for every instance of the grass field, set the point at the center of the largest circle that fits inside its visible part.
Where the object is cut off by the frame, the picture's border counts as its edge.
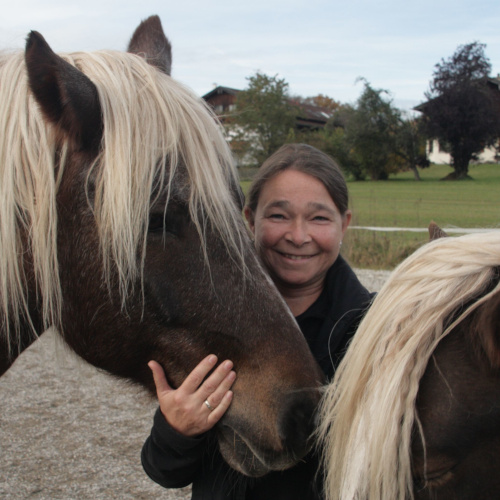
(403, 202)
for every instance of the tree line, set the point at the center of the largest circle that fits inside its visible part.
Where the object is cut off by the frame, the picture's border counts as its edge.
(372, 138)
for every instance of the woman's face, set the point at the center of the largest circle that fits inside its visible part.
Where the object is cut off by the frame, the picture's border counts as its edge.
(298, 229)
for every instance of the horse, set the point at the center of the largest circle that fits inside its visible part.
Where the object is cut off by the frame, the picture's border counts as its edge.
(121, 226)
(414, 408)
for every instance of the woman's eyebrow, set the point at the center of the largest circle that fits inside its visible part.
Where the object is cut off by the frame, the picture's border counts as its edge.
(320, 206)
(278, 204)
(312, 205)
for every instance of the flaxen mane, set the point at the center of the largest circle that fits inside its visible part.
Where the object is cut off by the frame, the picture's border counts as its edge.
(368, 411)
(151, 125)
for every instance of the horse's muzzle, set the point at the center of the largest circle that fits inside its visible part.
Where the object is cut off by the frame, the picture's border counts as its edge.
(261, 444)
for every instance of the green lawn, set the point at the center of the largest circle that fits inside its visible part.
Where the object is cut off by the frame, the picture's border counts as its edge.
(403, 202)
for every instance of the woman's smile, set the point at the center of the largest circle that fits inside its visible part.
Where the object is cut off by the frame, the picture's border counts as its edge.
(296, 257)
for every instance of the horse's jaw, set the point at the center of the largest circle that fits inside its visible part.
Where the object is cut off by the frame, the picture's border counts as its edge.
(255, 450)
(245, 458)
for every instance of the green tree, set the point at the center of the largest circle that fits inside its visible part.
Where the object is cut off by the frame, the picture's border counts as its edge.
(370, 139)
(461, 112)
(370, 131)
(410, 145)
(264, 117)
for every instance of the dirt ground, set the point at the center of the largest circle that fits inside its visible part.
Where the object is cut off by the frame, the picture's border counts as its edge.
(68, 431)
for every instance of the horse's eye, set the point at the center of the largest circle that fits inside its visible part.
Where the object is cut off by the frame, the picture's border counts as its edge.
(156, 222)
(171, 223)
(433, 480)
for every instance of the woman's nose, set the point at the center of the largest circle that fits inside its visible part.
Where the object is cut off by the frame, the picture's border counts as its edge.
(298, 233)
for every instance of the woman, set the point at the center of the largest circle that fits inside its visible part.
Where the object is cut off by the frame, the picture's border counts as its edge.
(298, 212)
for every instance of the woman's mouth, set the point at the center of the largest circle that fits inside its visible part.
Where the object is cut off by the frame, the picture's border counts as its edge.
(295, 257)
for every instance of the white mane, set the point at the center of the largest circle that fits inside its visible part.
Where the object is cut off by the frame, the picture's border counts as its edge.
(368, 411)
(152, 124)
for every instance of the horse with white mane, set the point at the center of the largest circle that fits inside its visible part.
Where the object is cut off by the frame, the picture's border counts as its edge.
(414, 408)
(121, 225)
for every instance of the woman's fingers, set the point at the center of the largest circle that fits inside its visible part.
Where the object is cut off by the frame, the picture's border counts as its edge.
(213, 386)
(195, 378)
(161, 383)
(221, 408)
(212, 383)
(201, 400)
(217, 385)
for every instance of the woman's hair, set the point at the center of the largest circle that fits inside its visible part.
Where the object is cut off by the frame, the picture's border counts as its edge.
(306, 159)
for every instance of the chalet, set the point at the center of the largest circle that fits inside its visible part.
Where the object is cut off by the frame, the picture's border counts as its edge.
(437, 154)
(223, 101)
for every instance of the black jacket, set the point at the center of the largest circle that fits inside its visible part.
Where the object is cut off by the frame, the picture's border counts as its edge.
(175, 461)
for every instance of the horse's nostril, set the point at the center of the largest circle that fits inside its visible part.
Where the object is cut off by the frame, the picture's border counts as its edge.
(297, 423)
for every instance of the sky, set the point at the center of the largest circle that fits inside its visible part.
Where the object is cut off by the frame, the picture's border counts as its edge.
(316, 46)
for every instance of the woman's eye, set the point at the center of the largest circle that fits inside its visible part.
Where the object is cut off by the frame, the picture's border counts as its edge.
(320, 218)
(276, 216)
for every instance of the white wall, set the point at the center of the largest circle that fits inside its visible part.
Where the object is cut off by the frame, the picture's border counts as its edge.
(441, 157)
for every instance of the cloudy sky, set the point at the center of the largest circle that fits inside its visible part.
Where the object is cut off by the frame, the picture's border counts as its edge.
(317, 46)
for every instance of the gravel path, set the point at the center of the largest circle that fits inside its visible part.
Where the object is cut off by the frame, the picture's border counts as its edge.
(68, 431)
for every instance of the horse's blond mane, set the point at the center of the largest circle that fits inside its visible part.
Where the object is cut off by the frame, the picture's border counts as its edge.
(152, 124)
(368, 411)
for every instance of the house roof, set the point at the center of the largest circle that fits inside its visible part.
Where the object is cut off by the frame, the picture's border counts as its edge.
(310, 115)
(313, 113)
(220, 90)
(493, 83)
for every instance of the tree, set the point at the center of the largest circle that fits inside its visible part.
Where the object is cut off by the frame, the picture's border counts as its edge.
(264, 117)
(370, 130)
(410, 145)
(370, 139)
(461, 111)
(320, 100)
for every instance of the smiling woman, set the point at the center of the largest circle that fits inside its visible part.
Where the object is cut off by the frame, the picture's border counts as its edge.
(298, 231)
(298, 211)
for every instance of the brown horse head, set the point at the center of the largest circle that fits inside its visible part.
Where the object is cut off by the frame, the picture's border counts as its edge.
(458, 408)
(414, 408)
(122, 227)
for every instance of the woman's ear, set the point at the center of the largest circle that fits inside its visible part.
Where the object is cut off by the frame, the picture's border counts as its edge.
(250, 218)
(346, 220)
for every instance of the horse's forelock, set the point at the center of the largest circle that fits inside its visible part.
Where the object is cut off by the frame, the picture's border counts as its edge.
(368, 412)
(152, 124)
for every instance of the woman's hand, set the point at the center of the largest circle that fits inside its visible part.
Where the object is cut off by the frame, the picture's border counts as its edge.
(186, 408)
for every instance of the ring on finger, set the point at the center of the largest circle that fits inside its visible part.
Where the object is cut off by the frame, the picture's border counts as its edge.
(208, 405)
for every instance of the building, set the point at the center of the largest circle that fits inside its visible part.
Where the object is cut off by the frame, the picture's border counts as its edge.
(223, 102)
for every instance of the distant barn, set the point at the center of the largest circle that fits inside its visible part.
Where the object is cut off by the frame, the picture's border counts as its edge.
(223, 101)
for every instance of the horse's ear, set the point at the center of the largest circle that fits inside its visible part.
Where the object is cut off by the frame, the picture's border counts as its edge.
(68, 99)
(149, 41)
(487, 325)
(435, 232)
